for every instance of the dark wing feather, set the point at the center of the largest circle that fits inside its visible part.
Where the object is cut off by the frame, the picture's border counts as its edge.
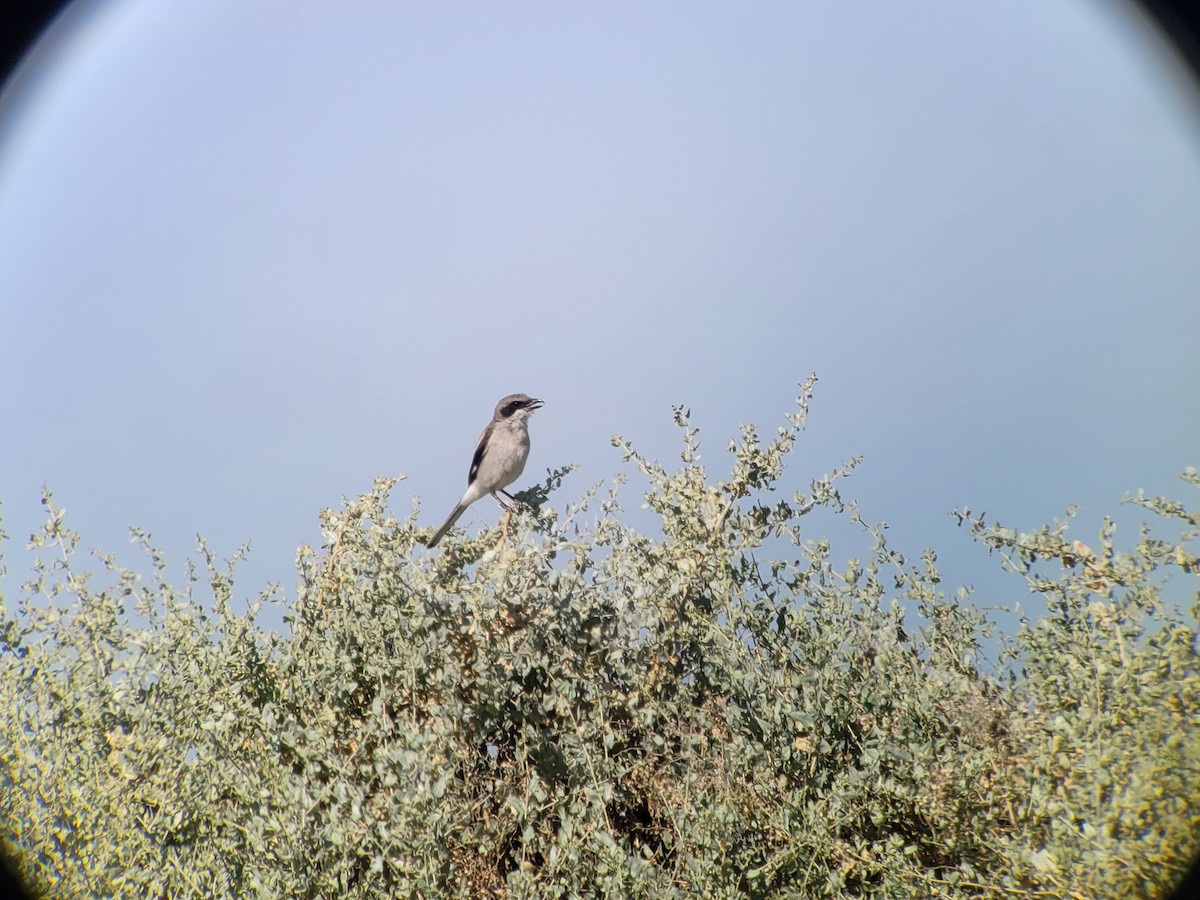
(478, 457)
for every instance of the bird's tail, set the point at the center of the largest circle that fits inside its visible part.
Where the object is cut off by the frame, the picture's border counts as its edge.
(441, 532)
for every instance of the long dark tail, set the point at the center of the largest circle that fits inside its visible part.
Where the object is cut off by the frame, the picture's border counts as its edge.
(441, 532)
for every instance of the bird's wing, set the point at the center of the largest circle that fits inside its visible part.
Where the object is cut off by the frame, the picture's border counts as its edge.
(478, 457)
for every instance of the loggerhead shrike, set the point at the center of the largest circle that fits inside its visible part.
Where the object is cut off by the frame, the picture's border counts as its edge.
(500, 457)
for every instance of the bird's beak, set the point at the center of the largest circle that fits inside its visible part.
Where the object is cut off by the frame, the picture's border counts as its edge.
(536, 404)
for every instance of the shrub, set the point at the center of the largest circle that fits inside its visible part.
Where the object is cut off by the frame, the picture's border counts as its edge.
(582, 709)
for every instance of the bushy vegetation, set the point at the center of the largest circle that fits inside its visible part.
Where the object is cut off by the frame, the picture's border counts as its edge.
(583, 710)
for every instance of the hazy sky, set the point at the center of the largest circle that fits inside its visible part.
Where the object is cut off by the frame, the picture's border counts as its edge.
(254, 254)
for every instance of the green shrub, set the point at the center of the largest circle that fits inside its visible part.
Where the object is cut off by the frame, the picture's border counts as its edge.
(582, 709)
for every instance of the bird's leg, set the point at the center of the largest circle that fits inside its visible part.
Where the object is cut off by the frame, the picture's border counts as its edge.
(507, 506)
(512, 503)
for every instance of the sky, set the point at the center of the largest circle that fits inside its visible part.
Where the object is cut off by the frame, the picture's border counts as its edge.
(254, 254)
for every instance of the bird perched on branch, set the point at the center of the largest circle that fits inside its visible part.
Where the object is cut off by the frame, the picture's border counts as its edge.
(499, 459)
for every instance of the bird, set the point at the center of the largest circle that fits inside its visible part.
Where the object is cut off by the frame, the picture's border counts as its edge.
(499, 458)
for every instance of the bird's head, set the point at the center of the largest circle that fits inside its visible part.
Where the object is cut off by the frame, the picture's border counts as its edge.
(514, 404)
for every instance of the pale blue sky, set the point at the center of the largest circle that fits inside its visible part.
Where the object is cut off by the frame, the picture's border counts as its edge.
(253, 254)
